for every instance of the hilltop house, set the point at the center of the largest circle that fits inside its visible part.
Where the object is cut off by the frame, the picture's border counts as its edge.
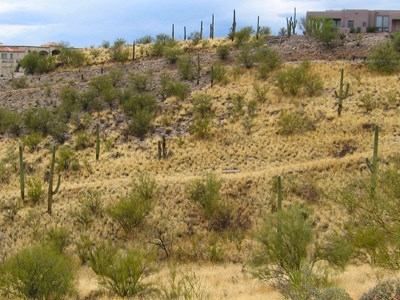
(348, 19)
(12, 55)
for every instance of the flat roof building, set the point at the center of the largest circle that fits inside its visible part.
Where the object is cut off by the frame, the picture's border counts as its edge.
(361, 19)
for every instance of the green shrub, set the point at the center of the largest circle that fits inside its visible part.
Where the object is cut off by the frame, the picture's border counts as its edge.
(388, 290)
(69, 99)
(147, 39)
(10, 122)
(219, 74)
(88, 100)
(38, 120)
(143, 102)
(66, 158)
(261, 92)
(32, 140)
(122, 272)
(139, 82)
(178, 89)
(395, 41)
(33, 63)
(383, 59)
(143, 186)
(326, 32)
(368, 102)
(37, 272)
(333, 293)
(115, 76)
(246, 57)
(129, 213)
(206, 191)
(84, 247)
(172, 53)
(158, 48)
(223, 51)
(20, 83)
(71, 57)
(237, 103)
(186, 67)
(141, 123)
(195, 37)
(294, 123)
(269, 59)
(243, 35)
(288, 254)
(119, 51)
(295, 80)
(58, 239)
(91, 200)
(83, 140)
(35, 190)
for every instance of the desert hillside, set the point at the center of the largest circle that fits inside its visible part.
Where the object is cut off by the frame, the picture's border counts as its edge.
(173, 124)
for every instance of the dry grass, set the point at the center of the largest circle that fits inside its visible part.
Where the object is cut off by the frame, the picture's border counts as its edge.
(319, 154)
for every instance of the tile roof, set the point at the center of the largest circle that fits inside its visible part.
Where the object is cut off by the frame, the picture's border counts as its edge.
(11, 49)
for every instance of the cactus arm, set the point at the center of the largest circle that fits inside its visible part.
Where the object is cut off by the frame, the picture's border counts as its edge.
(369, 165)
(336, 95)
(58, 185)
(21, 173)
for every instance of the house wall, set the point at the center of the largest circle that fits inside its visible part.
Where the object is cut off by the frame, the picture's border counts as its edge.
(362, 18)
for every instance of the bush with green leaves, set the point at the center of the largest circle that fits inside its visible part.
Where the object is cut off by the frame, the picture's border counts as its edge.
(20, 83)
(71, 57)
(122, 272)
(34, 63)
(268, 60)
(147, 39)
(10, 122)
(32, 140)
(66, 159)
(289, 251)
(294, 122)
(223, 51)
(83, 140)
(243, 35)
(195, 37)
(383, 59)
(69, 99)
(202, 116)
(139, 82)
(38, 120)
(386, 290)
(219, 74)
(119, 51)
(58, 238)
(115, 75)
(130, 212)
(172, 53)
(372, 224)
(206, 191)
(186, 67)
(37, 272)
(261, 92)
(301, 79)
(175, 88)
(35, 190)
(325, 31)
(246, 56)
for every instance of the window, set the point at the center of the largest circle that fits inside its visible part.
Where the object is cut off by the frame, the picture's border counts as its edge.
(336, 22)
(4, 56)
(11, 56)
(382, 23)
(350, 24)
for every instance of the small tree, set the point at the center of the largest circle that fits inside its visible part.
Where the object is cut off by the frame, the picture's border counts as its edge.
(37, 272)
(326, 32)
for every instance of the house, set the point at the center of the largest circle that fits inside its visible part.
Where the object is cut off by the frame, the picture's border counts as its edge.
(353, 19)
(10, 56)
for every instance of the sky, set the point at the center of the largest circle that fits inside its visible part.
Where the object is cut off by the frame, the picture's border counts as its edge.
(84, 23)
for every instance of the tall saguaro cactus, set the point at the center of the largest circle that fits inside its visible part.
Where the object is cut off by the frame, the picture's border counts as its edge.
(343, 93)
(184, 33)
(291, 24)
(212, 27)
(21, 173)
(198, 68)
(201, 30)
(373, 166)
(173, 31)
(52, 192)
(97, 141)
(258, 27)
(233, 29)
(133, 52)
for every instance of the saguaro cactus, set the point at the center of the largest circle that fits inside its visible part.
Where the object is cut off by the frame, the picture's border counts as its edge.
(291, 24)
(133, 52)
(258, 27)
(21, 173)
(212, 76)
(233, 29)
(52, 192)
(198, 68)
(173, 31)
(184, 33)
(373, 166)
(201, 30)
(212, 28)
(97, 141)
(343, 94)
(164, 147)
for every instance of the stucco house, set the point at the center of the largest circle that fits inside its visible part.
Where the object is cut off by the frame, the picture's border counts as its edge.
(10, 56)
(348, 19)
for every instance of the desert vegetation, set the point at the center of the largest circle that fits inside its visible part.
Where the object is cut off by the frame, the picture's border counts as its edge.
(201, 169)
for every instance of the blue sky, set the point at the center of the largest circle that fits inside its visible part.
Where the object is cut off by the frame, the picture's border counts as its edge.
(88, 22)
